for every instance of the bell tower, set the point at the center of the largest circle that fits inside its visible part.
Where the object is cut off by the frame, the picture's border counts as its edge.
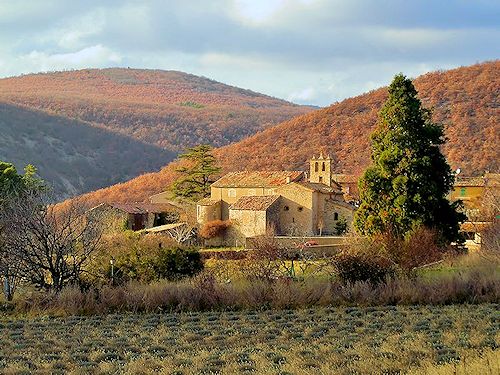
(321, 169)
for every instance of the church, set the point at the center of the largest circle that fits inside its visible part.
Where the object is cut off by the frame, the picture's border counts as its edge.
(288, 203)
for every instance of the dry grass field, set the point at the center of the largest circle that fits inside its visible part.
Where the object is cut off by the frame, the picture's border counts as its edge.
(456, 339)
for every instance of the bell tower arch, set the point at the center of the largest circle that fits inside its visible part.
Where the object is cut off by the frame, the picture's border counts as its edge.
(320, 170)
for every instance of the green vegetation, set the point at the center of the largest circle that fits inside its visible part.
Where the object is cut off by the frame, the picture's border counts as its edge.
(196, 174)
(408, 182)
(191, 104)
(13, 186)
(129, 256)
(349, 340)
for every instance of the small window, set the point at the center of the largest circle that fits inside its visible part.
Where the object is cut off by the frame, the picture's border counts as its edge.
(320, 179)
(300, 209)
(231, 193)
(336, 216)
(316, 167)
(463, 191)
(323, 168)
(286, 208)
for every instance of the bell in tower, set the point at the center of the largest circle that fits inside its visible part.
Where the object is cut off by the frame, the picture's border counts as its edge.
(321, 169)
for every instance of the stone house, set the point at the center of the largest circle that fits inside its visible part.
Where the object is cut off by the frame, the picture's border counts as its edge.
(135, 216)
(286, 201)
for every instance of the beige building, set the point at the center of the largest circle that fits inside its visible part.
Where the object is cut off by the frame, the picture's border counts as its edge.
(286, 202)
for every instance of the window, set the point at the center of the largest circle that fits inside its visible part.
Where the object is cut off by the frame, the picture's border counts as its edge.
(320, 179)
(231, 193)
(286, 208)
(323, 167)
(463, 191)
(300, 209)
(316, 167)
(336, 216)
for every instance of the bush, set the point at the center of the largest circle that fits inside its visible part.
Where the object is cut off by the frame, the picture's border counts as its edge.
(176, 263)
(215, 228)
(352, 268)
(143, 258)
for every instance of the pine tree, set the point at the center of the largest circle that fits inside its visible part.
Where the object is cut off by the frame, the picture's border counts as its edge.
(409, 179)
(197, 173)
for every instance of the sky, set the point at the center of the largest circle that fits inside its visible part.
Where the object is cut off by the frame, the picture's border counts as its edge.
(306, 51)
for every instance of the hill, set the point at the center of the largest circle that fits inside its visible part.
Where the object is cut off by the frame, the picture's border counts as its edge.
(465, 100)
(165, 110)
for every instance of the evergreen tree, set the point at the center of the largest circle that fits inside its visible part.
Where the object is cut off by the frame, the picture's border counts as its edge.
(13, 186)
(409, 179)
(196, 174)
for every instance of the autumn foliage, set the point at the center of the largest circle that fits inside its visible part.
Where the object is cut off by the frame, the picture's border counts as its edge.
(214, 228)
(462, 99)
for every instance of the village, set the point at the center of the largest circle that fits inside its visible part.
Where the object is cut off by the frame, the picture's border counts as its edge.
(314, 207)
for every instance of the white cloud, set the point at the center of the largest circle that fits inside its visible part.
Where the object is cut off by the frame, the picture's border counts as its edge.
(94, 56)
(310, 51)
(303, 96)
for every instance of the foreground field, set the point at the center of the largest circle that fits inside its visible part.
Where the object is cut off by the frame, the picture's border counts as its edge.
(460, 339)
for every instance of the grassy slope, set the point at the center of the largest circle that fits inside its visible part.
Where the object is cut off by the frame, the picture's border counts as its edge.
(465, 100)
(166, 110)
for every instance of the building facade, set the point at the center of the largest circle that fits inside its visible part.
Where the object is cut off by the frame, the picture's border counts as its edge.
(284, 202)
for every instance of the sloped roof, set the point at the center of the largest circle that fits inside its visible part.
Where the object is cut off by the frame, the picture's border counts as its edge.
(322, 188)
(254, 203)
(142, 208)
(207, 202)
(257, 178)
(469, 181)
(344, 178)
(163, 228)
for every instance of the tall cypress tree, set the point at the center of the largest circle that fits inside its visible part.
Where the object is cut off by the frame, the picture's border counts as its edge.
(409, 179)
(197, 173)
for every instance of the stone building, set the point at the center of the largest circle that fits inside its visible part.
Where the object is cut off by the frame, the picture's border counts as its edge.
(286, 202)
(135, 216)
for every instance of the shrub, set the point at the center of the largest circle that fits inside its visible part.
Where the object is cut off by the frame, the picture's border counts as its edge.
(362, 267)
(176, 263)
(341, 226)
(143, 258)
(215, 228)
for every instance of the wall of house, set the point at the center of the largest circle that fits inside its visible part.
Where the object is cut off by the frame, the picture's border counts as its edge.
(249, 223)
(331, 207)
(228, 196)
(296, 208)
(112, 219)
(208, 213)
(470, 195)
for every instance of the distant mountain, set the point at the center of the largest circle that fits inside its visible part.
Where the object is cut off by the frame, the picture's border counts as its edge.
(465, 100)
(91, 128)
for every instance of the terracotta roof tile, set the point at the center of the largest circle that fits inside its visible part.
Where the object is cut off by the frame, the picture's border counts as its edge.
(344, 178)
(254, 203)
(322, 188)
(142, 208)
(257, 178)
(207, 202)
(469, 181)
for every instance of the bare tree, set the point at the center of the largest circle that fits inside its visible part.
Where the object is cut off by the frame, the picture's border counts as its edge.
(182, 233)
(48, 246)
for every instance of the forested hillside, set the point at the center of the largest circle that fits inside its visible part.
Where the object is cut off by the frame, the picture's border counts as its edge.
(166, 110)
(465, 100)
(72, 155)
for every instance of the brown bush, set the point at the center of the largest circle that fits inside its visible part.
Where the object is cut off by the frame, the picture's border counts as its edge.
(205, 293)
(352, 268)
(215, 228)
